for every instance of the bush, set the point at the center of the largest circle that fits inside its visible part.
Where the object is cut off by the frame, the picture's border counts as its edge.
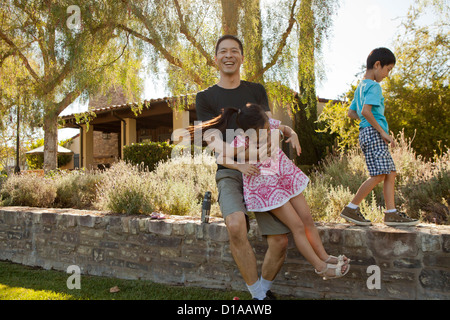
(76, 189)
(28, 190)
(125, 189)
(147, 154)
(422, 188)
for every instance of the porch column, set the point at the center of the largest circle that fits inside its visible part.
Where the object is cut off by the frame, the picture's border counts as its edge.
(180, 119)
(87, 153)
(130, 136)
(127, 133)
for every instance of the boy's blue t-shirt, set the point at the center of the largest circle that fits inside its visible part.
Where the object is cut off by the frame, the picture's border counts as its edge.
(369, 92)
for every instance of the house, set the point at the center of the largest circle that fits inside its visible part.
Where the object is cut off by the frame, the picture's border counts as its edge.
(114, 125)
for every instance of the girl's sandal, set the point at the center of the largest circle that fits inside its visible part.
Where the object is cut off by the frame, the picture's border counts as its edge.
(337, 270)
(342, 258)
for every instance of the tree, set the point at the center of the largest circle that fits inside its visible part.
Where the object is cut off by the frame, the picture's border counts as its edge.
(417, 93)
(76, 52)
(183, 34)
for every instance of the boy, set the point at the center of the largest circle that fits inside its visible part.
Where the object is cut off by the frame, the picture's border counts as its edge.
(368, 106)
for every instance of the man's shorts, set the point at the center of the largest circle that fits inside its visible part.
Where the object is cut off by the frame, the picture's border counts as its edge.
(376, 151)
(231, 199)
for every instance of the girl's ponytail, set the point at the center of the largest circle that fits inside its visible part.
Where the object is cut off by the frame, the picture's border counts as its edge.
(220, 122)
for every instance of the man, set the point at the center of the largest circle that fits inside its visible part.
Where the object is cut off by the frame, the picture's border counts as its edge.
(231, 91)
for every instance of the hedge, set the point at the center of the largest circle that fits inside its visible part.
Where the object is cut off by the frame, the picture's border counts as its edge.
(148, 153)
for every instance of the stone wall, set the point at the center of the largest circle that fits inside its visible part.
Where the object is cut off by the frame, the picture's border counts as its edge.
(413, 262)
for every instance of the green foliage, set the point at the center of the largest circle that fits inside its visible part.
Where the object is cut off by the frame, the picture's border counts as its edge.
(76, 189)
(417, 93)
(421, 189)
(28, 190)
(147, 154)
(125, 189)
(334, 120)
(36, 161)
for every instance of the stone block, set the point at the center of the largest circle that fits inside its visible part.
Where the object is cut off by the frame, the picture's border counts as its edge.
(217, 232)
(392, 244)
(160, 227)
(86, 221)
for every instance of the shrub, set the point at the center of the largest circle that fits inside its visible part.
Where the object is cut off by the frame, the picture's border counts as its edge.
(76, 189)
(422, 188)
(147, 154)
(124, 189)
(181, 182)
(28, 190)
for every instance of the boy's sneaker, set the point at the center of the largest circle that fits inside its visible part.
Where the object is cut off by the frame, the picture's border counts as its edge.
(398, 218)
(355, 216)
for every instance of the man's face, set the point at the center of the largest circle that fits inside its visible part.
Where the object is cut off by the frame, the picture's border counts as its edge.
(229, 57)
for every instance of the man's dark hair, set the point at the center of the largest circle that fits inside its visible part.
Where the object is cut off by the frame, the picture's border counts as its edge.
(229, 36)
(384, 55)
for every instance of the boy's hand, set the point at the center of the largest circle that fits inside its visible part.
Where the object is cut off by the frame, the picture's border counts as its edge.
(388, 139)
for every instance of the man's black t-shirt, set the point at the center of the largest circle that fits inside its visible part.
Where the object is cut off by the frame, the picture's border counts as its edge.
(211, 101)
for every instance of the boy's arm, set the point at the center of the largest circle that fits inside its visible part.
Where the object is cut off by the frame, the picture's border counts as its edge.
(352, 114)
(368, 115)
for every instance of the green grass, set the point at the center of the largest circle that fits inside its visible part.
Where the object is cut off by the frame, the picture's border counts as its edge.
(19, 282)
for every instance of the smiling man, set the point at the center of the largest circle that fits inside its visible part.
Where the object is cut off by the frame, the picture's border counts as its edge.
(232, 92)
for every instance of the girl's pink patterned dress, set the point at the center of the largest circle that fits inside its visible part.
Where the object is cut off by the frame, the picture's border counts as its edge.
(277, 182)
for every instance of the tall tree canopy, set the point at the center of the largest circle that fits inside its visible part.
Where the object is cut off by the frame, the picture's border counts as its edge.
(65, 59)
(69, 49)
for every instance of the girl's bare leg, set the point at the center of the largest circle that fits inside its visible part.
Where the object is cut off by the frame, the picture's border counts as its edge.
(291, 219)
(302, 209)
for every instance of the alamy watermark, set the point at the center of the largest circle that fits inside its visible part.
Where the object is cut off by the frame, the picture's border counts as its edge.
(74, 281)
(250, 146)
(74, 20)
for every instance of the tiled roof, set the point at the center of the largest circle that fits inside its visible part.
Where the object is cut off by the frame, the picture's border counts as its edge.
(127, 105)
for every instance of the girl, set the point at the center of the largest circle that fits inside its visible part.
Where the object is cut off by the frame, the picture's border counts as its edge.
(274, 184)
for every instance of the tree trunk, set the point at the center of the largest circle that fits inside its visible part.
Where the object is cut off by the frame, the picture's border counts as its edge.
(252, 36)
(306, 115)
(230, 16)
(50, 141)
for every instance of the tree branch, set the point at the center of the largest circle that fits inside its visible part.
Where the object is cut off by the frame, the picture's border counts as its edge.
(281, 45)
(184, 30)
(156, 44)
(166, 54)
(22, 57)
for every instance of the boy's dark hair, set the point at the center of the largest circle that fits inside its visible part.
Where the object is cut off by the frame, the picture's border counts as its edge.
(229, 36)
(384, 55)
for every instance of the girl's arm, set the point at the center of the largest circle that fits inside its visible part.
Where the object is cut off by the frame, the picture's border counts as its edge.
(290, 134)
(230, 163)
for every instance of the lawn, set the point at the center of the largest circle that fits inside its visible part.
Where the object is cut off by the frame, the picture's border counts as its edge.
(19, 282)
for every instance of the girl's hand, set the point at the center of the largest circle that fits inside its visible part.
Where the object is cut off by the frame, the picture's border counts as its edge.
(248, 169)
(293, 139)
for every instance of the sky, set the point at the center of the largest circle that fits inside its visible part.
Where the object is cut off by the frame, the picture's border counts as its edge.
(359, 27)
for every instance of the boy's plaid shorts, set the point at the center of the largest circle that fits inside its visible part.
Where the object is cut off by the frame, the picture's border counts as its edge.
(376, 151)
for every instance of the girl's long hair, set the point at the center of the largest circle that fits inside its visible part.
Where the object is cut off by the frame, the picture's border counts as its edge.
(252, 116)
